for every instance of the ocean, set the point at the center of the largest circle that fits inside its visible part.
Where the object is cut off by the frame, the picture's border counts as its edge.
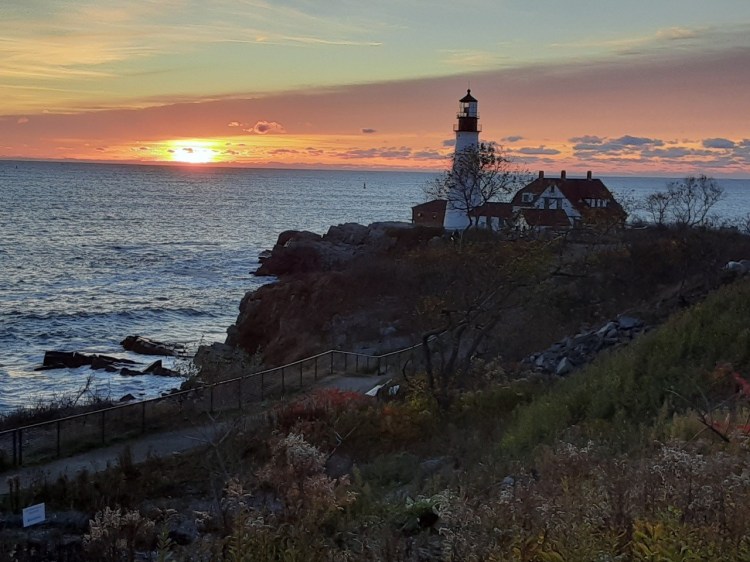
(92, 253)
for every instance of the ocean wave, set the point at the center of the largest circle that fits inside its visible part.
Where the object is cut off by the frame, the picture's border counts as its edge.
(83, 315)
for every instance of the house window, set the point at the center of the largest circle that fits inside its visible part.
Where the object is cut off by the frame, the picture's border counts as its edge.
(527, 197)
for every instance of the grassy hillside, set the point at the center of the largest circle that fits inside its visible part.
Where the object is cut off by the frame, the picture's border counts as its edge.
(679, 366)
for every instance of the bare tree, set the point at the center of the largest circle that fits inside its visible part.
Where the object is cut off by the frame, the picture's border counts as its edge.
(477, 175)
(486, 280)
(686, 202)
(657, 206)
(692, 198)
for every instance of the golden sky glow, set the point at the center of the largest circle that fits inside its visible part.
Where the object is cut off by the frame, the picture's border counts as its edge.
(639, 87)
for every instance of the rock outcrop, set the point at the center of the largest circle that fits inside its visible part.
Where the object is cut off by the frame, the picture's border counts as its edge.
(145, 346)
(336, 290)
(563, 357)
(75, 359)
(297, 252)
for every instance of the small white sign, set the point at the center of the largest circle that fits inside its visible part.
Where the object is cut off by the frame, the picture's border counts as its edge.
(33, 514)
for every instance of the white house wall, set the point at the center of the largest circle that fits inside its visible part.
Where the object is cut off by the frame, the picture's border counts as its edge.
(562, 202)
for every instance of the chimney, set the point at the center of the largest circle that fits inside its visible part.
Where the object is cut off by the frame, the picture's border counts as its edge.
(588, 175)
(541, 174)
(562, 175)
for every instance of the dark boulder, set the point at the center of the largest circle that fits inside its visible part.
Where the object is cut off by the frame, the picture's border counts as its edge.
(74, 359)
(157, 369)
(145, 346)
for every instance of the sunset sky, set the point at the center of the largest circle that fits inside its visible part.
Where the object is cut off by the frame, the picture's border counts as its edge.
(657, 87)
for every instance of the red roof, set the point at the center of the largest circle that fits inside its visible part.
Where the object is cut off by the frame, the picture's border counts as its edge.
(494, 209)
(547, 218)
(577, 191)
(434, 206)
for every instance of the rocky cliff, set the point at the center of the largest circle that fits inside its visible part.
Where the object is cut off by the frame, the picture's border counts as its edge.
(338, 290)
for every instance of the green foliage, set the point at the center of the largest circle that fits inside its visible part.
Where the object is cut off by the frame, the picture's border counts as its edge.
(627, 389)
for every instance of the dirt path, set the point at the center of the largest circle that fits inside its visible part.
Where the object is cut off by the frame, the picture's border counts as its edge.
(160, 445)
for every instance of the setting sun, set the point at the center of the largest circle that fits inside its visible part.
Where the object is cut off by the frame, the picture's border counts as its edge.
(199, 152)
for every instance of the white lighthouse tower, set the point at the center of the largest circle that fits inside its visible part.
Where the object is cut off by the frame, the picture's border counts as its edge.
(467, 138)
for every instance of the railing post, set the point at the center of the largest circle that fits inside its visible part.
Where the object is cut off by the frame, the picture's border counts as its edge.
(283, 383)
(356, 364)
(104, 438)
(331, 352)
(300, 375)
(20, 447)
(58, 438)
(315, 375)
(143, 417)
(346, 357)
(239, 394)
(262, 380)
(379, 358)
(15, 448)
(211, 406)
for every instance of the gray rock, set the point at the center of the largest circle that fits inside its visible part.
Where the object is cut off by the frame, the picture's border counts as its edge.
(628, 322)
(564, 367)
(607, 329)
(508, 482)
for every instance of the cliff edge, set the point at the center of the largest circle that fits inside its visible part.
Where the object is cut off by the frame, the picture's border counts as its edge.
(339, 290)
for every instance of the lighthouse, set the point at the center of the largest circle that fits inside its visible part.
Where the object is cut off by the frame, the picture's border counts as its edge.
(467, 129)
(467, 138)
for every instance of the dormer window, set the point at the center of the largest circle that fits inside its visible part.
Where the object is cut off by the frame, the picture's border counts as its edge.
(527, 197)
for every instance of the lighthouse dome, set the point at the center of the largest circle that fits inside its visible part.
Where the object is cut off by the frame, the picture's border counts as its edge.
(468, 98)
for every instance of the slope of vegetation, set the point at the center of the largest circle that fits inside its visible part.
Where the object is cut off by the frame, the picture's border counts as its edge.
(640, 456)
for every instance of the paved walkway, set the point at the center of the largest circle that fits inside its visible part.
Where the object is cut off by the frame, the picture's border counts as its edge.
(95, 460)
(160, 445)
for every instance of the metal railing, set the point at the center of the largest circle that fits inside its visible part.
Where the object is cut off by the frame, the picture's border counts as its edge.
(47, 440)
